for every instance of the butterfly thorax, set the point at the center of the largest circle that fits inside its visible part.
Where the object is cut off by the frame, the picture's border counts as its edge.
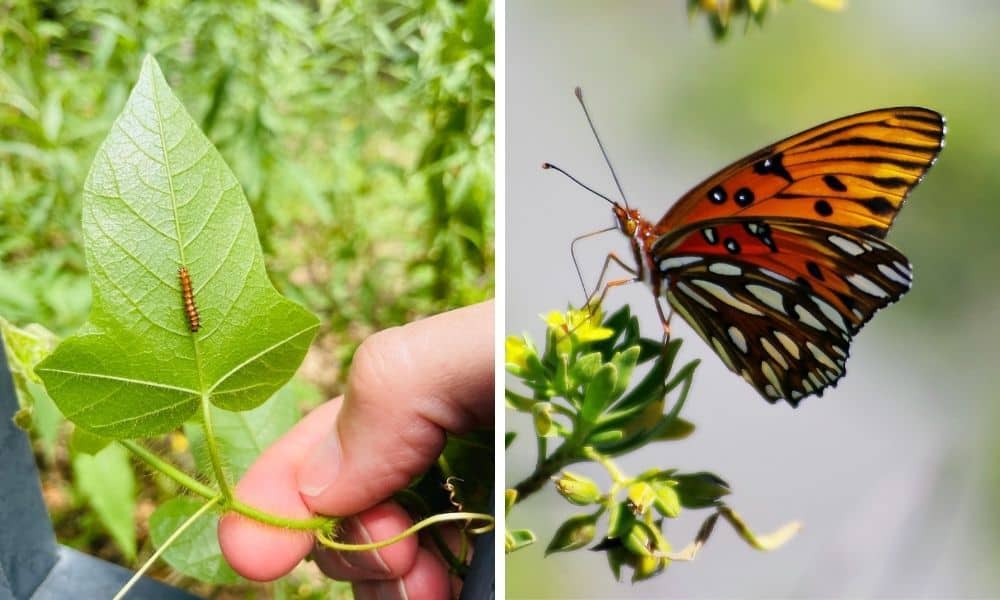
(642, 235)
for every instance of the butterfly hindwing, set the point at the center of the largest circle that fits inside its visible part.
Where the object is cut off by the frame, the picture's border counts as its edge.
(779, 300)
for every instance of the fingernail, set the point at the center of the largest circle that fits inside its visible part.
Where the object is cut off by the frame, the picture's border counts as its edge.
(320, 469)
(390, 589)
(368, 561)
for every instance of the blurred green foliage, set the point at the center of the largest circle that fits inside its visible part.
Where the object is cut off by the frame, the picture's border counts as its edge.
(362, 133)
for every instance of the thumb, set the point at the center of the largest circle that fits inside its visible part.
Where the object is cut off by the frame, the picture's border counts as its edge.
(408, 386)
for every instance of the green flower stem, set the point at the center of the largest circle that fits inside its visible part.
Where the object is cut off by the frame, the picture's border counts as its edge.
(158, 464)
(213, 451)
(616, 475)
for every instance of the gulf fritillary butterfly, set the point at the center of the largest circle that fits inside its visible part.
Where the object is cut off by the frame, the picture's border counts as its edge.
(187, 293)
(778, 260)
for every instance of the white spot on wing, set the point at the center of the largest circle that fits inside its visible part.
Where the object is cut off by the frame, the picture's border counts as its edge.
(893, 275)
(687, 291)
(675, 262)
(765, 368)
(737, 337)
(721, 268)
(775, 276)
(808, 318)
(788, 343)
(846, 245)
(721, 351)
(866, 285)
(775, 354)
(830, 312)
(770, 391)
(821, 356)
(767, 296)
(723, 295)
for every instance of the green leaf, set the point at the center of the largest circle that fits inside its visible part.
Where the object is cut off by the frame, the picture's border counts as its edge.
(667, 502)
(243, 436)
(597, 396)
(677, 429)
(625, 362)
(585, 367)
(107, 483)
(24, 348)
(517, 539)
(196, 553)
(159, 197)
(575, 532)
(699, 490)
(84, 442)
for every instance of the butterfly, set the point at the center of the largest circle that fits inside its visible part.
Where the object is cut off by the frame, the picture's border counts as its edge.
(779, 259)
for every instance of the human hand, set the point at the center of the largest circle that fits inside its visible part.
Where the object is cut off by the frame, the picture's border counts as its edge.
(407, 387)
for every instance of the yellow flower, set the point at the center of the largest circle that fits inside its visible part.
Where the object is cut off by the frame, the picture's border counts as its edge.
(516, 352)
(582, 325)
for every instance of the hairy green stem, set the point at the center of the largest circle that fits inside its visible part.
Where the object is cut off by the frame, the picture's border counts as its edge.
(213, 451)
(158, 464)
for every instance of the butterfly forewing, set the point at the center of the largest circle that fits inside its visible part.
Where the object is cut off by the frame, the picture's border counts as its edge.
(779, 300)
(853, 172)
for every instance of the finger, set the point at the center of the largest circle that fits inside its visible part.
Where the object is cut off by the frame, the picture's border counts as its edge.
(378, 523)
(270, 485)
(427, 580)
(407, 387)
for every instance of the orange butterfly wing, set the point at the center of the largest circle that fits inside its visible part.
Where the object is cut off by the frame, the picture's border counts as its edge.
(777, 260)
(854, 172)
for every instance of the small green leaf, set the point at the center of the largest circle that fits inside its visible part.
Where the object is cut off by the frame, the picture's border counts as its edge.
(640, 539)
(508, 438)
(517, 539)
(620, 520)
(576, 532)
(677, 429)
(196, 553)
(107, 483)
(625, 362)
(597, 395)
(159, 197)
(667, 502)
(699, 490)
(509, 499)
(585, 367)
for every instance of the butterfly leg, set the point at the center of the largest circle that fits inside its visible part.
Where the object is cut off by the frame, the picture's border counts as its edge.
(612, 258)
(664, 320)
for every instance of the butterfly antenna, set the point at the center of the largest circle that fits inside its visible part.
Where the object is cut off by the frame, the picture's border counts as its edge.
(600, 144)
(548, 165)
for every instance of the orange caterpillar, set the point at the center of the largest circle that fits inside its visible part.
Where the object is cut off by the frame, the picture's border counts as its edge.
(194, 320)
